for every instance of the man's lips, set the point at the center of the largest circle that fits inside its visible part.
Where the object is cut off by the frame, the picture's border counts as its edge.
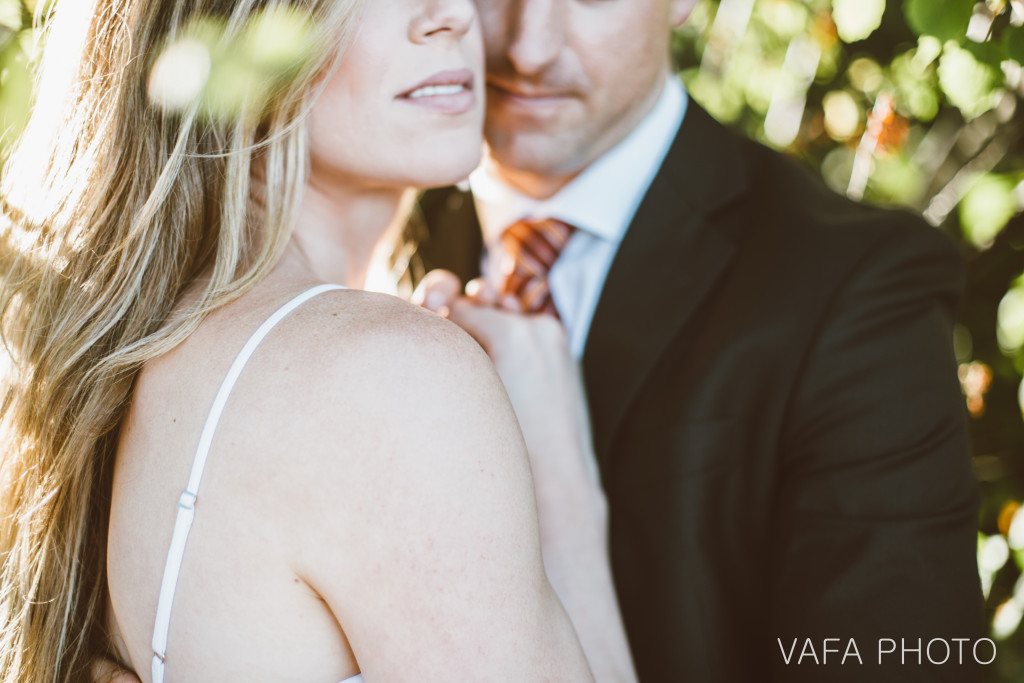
(528, 95)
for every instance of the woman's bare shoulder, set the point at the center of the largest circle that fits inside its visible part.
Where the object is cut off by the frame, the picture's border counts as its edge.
(414, 481)
(385, 351)
(380, 323)
(338, 377)
(373, 374)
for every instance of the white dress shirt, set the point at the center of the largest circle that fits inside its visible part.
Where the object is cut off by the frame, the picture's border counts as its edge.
(600, 202)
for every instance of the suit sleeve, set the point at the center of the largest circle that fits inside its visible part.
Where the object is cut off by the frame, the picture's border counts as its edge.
(876, 514)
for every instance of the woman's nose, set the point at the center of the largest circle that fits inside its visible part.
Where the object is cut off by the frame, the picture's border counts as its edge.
(442, 17)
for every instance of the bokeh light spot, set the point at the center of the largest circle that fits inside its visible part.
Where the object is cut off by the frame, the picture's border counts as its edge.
(179, 74)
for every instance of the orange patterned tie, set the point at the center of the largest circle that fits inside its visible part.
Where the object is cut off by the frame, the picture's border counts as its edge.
(531, 248)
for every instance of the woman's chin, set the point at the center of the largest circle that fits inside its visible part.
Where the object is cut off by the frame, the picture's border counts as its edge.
(446, 168)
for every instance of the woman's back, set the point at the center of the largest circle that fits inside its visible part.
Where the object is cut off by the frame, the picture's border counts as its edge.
(241, 610)
(353, 479)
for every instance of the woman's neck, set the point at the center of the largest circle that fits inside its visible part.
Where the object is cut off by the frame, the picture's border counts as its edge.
(339, 228)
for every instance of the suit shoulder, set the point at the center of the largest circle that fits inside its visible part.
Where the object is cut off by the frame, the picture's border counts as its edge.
(786, 201)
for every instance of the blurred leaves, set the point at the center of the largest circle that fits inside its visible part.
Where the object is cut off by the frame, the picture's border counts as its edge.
(1014, 43)
(277, 40)
(915, 77)
(857, 19)
(970, 85)
(1010, 322)
(987, 207)
(17, 47)
(15, 92)
(11, 17)
(231, 74)
(944, 19)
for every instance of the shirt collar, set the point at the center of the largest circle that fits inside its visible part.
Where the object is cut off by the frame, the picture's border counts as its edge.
(603, 198)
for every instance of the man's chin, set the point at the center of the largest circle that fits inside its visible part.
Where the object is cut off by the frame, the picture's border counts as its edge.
(537, 163)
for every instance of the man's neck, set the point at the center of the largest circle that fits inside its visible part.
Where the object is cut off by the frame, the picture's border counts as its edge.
(534, 185)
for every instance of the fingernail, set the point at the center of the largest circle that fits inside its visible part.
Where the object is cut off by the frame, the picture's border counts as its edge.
(434, 301)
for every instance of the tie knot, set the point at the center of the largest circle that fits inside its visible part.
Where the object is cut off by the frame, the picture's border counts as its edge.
(531, 248)
(543, 240)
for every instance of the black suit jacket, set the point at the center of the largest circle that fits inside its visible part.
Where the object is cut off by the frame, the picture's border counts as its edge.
(778, 423)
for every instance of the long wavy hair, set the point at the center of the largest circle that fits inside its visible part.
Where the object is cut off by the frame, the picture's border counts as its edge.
(111, 208)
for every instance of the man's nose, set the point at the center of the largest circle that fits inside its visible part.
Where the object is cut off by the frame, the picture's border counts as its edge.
(442, 17)
(535, 34)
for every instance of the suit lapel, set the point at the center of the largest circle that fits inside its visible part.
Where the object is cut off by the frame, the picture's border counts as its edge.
(668, 261)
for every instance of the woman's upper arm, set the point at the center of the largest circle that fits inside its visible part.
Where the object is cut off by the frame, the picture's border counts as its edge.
(423, 536)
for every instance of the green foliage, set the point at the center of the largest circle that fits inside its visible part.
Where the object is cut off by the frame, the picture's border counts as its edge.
(15, 92)
(914, 77)
(11, 16)
(857, 19)
(1010, 322)
(225, 74)
(987, 207)
(1014, 44)
(970, 84)
(17, 48)
(276, 40)
(944, 19)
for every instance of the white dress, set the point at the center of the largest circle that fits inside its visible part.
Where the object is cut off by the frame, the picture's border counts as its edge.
(186, 503)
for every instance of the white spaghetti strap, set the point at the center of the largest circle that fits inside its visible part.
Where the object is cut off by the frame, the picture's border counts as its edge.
(187, 501)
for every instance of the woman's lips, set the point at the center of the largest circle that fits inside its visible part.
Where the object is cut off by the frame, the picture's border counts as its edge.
(447, 92)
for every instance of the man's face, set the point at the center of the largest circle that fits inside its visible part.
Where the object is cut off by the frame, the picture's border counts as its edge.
(568, 79)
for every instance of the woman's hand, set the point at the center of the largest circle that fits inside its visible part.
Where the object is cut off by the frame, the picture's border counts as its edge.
(532, 357)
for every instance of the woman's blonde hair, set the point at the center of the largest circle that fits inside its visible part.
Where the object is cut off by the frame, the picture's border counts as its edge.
(111, 208)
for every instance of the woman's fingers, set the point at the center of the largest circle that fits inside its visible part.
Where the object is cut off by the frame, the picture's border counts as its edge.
(438, 290)
(480, 321)
(481, 292)
(506, 332)
(511, 303)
